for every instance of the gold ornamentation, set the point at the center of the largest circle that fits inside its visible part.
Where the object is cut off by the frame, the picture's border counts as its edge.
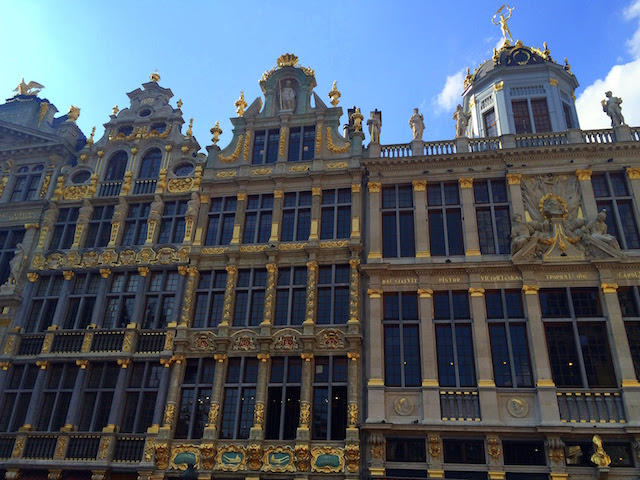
(333, 148)
(283, 140)
(3, 184)
(609, 287)
(493, 448)
(599, 457)
(61, 447)
(240, 104)
(278, 459)
(312, 273)
(465, 182)
(214, 413)
(231, 458)
(352, 414)
(215, 250)
(403, 406)
(305, 414)
(103, 450)
(162, 455)
(425, 292)
(128, 340)
(207, 455)
(126, 184)
(42, 364)
(253, 248)
(553, 82)
(355, 188)
(149, 449)
(185, 318)
(334, 244)
(633, 173)
(476, 292)
(303, 458)
(319, 139)
(261, 171)
(189, 132)
(324, 459)
(514, 178)
(352, 457)
(181, 448)
(220, 357)
(374, 292)
(169, 413)
(83, 364)
(86, 342)
(18, 447)
(419, 185)
(46, 344)
(298, 168)
(57, 193)
(247, 144)
(356, 118)
(556, 454)
(277, 193)
(517, 407)
(244, 343)
(584, 175)
(5, 365)
(216, 131)
(180, 185)
(498, 86)
(377, 451)
(168, 341)
(227, 174)
(292, 246)
(105, 272)
(335, 165)
(32, 276)
(68, 274)
(43, 189)
(374, 187)
(287, 60)
(236, 153)
(254, 454)
(335, 94)
(434, 448)
(530, 289)
(44, 108)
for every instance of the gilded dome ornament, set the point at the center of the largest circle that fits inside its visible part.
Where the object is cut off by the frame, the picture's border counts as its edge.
(240, 104)
(116, 110)
(216, 131)
(155, 76)
(90, 139)
(287, 60)
(190, 129)
(179, 104)
(335, 94)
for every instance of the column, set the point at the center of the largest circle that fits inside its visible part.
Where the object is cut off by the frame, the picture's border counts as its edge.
(375, 223)
(546, 389)
(305, 397)
(634, 179)
(353, 376)
(211, 430)
(354, 293)
(310, 310)
(472, 244)
(115, 414)
(34, 404)
(375, 383)
(430, 386)
(46, 229)
(269, 295)
(586, 189)
(201, 221)
(276, 218)
(73, 413)
(421, 224)
(356, 211)
(84, 215)
(515, 191)
(173, 393)
(120, 212)
(189, 295)
(486, 384)
(162, 394)
(257, 431)
(241, 206)
(227, 307)
(316, 197)
(155, 218)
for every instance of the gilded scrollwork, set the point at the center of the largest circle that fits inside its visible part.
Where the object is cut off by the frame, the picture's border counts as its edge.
(179, 449)
(254, 454)
(303, 457)
(305, 414)
(278, 459)
(327, 459)
(207, 455)
(333, 148)
(180, 185)
(235, 154)
(214, 413)
(231, 458)
(162, 455)
(149, 448)
(352, 457)
(352, 414)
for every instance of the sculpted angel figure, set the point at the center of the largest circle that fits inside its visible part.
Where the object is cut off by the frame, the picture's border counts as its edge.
(417, 124)
(287, 97)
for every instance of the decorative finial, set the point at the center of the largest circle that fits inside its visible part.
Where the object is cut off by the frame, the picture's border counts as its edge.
(155, 76)
(546, 52)
(287, 60)
(468, 79)
(240, 104)
(73, 114)
(335, 94)
(31, 88)
(179, 104)
(357, 118)
(190, 129)
(502, 22)
(567, 67)
(116, 110)
(90, 139)
(216, 131)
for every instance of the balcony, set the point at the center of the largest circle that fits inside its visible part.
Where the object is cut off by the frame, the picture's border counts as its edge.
(110, 189)
(591, 406)
(460, 406)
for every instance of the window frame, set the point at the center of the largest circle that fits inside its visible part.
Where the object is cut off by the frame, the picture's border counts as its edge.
(332, 216)
(490, 129)
(241, 414)
(266, 144)
(16, 411)
(121, 297)
(8, 245)
(306, 139)
(136, 223)
(64, 229)
(443, 208)
(169, 288)
(405, 239)
(52, 420)
(261, 227)
(28, 180)
(99, 417)
(295, 227)
(209, 299)
(402, 323)
(218, 220)
(289, 387)
(252, 291)
(99, 228)
(146, 395)
(292, 289)
(86, 300)
(333, 286)
(173, 223)
(502, 230)
(204, 378)
(49, 301)
(331, 384)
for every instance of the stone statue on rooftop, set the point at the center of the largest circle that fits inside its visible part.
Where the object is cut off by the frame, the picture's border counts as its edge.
(611, 106)
(374, 124)
(502, 22)
(417, 124)
(287, 97)
(462, 121)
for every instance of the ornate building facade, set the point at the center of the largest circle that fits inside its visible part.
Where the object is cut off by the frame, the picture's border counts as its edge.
(299, 305)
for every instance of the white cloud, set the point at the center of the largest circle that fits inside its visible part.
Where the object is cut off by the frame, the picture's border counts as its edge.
(449, 96)
(621, 80)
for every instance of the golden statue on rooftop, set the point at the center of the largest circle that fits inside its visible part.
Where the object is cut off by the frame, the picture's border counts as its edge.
(31, 88)
(503, 23)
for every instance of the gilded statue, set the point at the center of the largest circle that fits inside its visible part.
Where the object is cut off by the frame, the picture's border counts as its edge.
(599, 457)
(611, 106)
(417, 124)
(73, 114)
(31, 88)
(462, 121)
(502, 22)
(375, 123)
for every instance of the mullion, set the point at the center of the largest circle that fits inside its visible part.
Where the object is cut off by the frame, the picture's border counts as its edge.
(507, 328)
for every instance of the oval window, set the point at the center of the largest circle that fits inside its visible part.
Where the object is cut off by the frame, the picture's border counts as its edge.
(81, 177)
(183, 170)
(145, 113)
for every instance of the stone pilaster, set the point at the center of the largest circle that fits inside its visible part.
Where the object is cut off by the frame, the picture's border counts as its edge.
(470, 227)
(375, 367)
(356, 212)
(303, 432)
(257, 431)
(515, 192)
(227, 308)
(586, 189)
(276, 218)
(201, 222)
(36, 396)
(75, 403)
(241, 205)
(162, 394)
(117, 403)
(421, 224)
(173, 394)
(189, 296)
(375, 222)
(634, 179)
(212, 429)
(310, 310)
(430, 386)
(316, 198)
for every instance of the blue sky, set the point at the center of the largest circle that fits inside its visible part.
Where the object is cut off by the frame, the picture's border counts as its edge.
(393, 56)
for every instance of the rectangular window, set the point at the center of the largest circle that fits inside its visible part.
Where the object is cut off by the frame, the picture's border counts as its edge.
(173, 222)
(257, 218)
(577, 338)
(329, 399)
(44, 302)
(628, 298)
(222, 215)
(195, 397)
(335, 219)
(454, 341)
(239, 398)
(492, 215)
(333, 294)
(302, 150)
(523, 453)
(98, 396)
(99, 230)
(568, 116)
(521, 118)
(27, 183)
(540, 115)
(209, 299)
(614, 195)
(406, 450)
(401, 340)
(64, 229)
(16, 396)
(283, 398)
(9, 239)
(463, 451)
(509, 343)
(140, 397)
(490, 125)
(56, 395)
(135, 226)
(265, 146)
(121, 300)
(445, 219)
(291, 296)
(250, 291)
(398, 236)
(160, 299)
(82, 300)
(296, 217)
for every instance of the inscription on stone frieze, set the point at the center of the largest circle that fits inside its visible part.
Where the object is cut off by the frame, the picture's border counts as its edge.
(635, 274)
(24, 216)
(449, 279)
(500, 278)
(400, 281)
(566, 276)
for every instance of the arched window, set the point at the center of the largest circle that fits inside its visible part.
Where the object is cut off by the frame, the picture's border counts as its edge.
(183, 170)
(27, 182)
(150, 167)
(116, 166)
